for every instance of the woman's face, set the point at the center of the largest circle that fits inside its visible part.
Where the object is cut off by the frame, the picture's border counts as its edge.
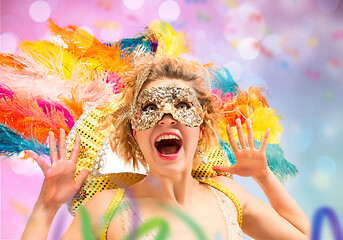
(169, 145)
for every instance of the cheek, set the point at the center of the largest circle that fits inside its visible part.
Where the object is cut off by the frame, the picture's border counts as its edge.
(142, 138)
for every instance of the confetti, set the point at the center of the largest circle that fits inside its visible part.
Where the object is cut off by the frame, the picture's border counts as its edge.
(105, 4)
(334, 62)
(313, 74)
(337, 35)
(203, 17)
(263, 50)
(312, 42)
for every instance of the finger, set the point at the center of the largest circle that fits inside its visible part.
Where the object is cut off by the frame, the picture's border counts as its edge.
(81, 177)
(232, 139)
(251, 139)
(52, 148)
(264, 140)
(75, 152)
(227, 169)
(41, 163)
(62, 145)
(240, 133)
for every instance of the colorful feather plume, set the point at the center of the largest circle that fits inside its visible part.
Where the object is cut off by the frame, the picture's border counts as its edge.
(51, 83)
(236, 103)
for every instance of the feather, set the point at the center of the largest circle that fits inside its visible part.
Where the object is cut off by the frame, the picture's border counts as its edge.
(222, 81)
(282, 169)
(52, 58)
(170, 42)
(24, 114)
(12, 143)
(12, 61)
(89, 50)
(248, 104)
(5, 92)
(148, 41)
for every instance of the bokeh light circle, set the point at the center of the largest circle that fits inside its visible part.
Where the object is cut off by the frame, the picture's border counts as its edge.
(235, 69)
(88, 29)
(169, 11)
(302, 139)
(247, 48)
(273, 43)
(9, 42)
(40, 11)
(326, 165)
(247, 11)
(26, 167)
(110, 35)
(305, 26)
(133, 4)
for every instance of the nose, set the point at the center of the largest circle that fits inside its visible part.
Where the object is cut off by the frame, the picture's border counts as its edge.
(167, 120)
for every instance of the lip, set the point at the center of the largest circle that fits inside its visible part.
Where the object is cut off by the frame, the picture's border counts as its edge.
(171, 157)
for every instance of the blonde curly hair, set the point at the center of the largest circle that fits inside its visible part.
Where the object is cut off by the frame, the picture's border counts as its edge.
(121, 137)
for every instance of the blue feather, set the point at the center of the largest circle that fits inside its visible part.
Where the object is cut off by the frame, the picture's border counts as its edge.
(282, 169)
(222, 79)
(12, 143)
(130, 44)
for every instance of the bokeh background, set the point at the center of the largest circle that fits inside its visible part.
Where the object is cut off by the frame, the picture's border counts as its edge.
(294, 48)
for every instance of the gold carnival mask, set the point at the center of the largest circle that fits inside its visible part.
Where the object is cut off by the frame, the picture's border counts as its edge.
(154, 102)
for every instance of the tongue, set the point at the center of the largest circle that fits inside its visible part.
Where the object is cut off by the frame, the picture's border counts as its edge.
(168, 149)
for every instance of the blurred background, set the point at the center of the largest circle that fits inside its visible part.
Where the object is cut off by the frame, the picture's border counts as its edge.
(294, 48)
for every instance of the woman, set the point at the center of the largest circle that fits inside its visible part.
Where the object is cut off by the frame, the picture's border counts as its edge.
(170, 114)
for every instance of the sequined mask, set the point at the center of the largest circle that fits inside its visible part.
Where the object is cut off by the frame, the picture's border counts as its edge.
(154, 102)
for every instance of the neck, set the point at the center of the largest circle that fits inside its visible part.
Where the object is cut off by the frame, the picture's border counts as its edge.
(174, 189)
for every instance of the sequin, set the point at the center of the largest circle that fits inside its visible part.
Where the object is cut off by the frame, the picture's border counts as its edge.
(154, 102)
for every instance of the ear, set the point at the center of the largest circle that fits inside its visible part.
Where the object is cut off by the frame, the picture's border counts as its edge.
(201, 132)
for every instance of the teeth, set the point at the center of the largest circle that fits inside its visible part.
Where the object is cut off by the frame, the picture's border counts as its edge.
(164, 137)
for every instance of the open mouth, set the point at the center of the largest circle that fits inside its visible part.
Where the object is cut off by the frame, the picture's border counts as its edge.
(168, 144)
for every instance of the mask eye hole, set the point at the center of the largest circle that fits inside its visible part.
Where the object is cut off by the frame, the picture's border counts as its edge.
(150, 107)
(183, 105)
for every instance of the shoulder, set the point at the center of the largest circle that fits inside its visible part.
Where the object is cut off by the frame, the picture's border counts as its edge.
(242, 195)
(96, 208)
(98, 205)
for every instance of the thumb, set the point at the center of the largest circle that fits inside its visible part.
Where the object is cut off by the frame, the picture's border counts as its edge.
(227, 169)
(81, 177)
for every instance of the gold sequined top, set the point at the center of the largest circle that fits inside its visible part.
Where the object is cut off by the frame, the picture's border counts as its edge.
(233, 232)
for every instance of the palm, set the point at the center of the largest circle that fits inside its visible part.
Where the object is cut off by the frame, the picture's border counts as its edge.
(250, 162)
(59, 185)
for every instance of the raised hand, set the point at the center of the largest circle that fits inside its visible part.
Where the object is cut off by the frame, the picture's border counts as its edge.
(59, 185)
(250, 162)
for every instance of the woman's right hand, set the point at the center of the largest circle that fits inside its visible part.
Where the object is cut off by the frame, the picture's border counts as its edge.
(59, 185)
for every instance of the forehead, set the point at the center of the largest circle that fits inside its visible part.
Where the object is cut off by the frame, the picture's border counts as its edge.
(161, 82)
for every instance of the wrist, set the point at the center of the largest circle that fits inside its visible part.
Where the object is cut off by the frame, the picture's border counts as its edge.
(45, 208)
(263, 176)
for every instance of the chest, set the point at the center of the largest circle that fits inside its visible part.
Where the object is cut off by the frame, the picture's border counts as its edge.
(207, 217)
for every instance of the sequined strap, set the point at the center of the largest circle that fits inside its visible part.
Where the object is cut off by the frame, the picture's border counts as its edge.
(110, 212)
(228, 193)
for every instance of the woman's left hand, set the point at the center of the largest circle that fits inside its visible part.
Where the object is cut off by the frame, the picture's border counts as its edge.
(250, 162)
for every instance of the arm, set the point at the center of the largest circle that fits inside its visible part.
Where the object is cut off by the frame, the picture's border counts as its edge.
(286, 213)
(283, 203)
(58, 187)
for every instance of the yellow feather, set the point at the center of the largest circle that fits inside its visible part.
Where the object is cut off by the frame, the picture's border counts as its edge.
(170, 43)
(53, 58)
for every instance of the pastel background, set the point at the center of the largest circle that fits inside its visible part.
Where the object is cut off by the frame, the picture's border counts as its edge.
(293, 48)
